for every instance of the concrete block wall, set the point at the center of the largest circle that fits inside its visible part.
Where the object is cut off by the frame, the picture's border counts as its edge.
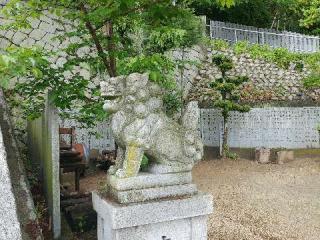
(43, 143)
(292, 128)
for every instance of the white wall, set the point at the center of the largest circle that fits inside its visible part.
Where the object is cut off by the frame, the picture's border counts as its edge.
(264, 127)
(278, 127)
(99, 137)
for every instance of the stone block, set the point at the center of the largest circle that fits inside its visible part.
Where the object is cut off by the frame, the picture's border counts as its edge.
(175, 219)
(160, 169)
(148, 180)
(148, 186)
(50, 28)
(141, 195)
(28, 42)
(19, 37)
(37, 34)
(262, 155)
(284, 157)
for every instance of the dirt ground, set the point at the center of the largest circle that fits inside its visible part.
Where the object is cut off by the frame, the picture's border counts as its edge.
(93, 181)
(254, 201)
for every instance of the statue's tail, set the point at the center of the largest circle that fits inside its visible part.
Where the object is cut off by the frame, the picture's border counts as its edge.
(190, 120)
(191, 116)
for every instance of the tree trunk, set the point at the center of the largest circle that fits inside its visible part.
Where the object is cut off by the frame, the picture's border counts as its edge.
(181, 83)
(111, 66)
(225, 147)
(108, 31)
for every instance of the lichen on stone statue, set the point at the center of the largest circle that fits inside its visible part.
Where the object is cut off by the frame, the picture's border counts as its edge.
(140, 126)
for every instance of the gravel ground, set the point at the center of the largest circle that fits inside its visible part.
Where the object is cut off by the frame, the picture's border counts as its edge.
(255, 201)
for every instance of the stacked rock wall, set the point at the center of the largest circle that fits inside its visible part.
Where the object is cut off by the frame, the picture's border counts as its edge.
(268, 83)
(40, 34)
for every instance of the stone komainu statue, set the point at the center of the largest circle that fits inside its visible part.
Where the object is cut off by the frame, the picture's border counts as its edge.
(140, 126)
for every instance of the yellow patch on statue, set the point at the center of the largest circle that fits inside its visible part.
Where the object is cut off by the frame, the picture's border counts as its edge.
(132, 161)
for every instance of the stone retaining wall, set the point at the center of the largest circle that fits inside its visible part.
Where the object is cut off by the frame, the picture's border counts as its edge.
(268, 82)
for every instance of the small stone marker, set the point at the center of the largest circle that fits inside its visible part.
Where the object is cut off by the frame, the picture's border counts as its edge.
(284, 157)
(262, 155)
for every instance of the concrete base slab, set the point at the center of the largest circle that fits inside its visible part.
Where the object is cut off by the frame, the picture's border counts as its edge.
(175, 219)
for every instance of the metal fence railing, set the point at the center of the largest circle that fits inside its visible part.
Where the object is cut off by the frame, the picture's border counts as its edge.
(294, 42)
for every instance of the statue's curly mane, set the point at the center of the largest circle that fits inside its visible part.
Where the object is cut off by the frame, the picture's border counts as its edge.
(140, 126)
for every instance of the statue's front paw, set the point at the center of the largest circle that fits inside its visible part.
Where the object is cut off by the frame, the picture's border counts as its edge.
(112, 170)
(120, 173)
(190, 151)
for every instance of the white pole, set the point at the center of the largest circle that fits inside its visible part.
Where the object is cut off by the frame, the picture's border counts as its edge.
(235, 35)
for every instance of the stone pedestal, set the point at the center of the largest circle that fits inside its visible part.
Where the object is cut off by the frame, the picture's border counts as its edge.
(175, 219)
(152, 207)
(149, 186)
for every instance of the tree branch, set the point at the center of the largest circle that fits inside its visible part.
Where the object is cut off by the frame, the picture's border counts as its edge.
(96, 41)
(139, 8)
(108, 31)
(142, 7)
